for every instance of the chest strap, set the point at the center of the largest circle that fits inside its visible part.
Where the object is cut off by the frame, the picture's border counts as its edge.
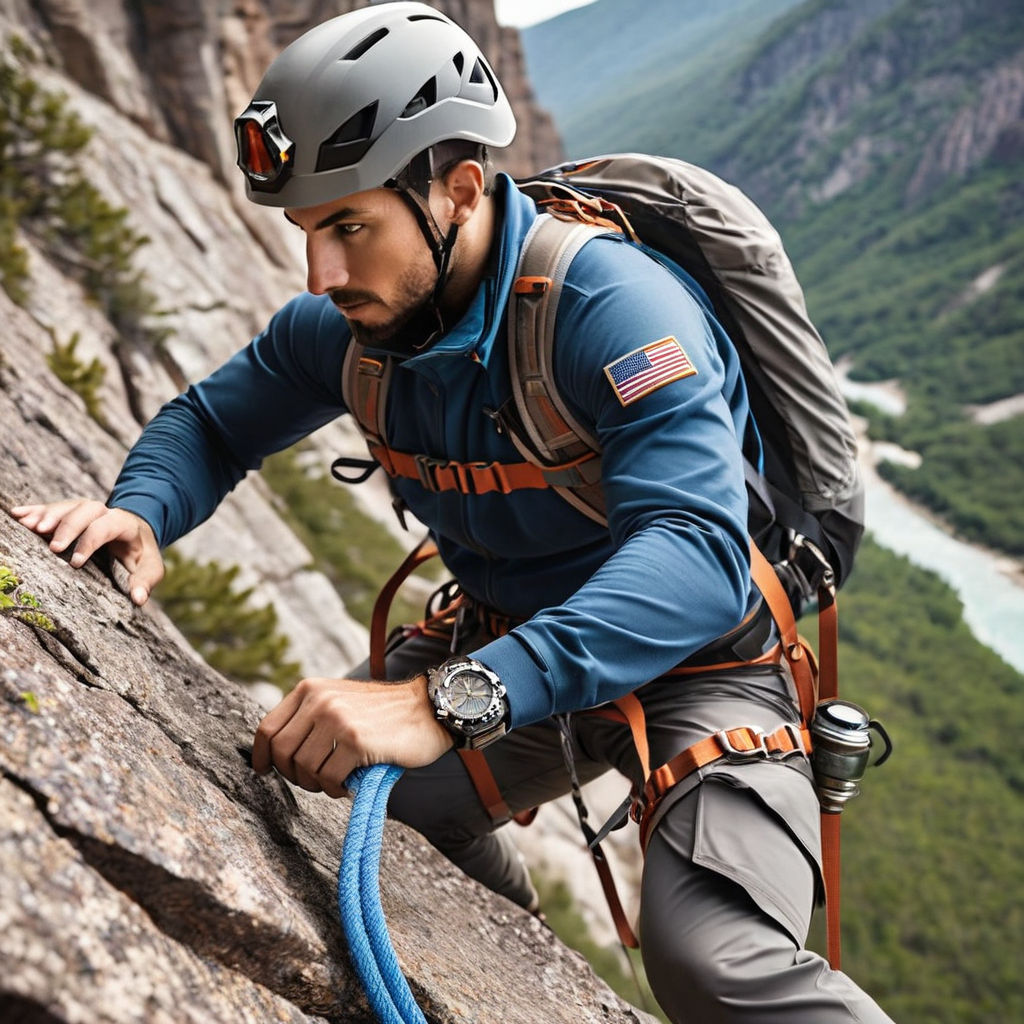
(365, 381)
(436, 475)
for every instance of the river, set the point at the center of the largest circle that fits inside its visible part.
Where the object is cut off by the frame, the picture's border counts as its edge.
(990, 585)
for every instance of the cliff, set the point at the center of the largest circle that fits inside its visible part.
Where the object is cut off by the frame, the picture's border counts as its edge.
(158, 84)
(924, 92)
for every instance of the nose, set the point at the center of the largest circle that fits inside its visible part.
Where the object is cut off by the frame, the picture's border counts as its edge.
(325, 265)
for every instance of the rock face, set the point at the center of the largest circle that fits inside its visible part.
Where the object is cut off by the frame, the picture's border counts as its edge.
(146, 874)
(882, 72)
(181, 71)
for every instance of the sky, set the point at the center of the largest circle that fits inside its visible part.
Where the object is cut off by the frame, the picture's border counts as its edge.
(528, 12)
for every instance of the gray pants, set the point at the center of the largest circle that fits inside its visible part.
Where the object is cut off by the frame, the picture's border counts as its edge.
(731, 870)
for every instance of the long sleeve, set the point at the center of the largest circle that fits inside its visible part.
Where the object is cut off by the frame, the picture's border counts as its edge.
(282, 386)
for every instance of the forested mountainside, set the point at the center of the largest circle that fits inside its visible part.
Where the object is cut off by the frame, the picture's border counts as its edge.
(886, 140)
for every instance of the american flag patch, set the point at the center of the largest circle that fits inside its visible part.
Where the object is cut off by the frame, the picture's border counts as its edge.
(646, 369)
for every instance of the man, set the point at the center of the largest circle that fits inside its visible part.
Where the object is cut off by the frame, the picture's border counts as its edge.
(370, 133)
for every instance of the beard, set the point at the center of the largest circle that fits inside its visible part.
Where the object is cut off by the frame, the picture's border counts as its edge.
(415, 321)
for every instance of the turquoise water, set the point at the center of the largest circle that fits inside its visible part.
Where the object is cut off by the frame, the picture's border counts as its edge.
(991, 586)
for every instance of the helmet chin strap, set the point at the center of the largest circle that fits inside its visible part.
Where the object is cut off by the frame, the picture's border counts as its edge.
(413, 185)
(440, 245)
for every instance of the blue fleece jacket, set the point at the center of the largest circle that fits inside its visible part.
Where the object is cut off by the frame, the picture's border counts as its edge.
(607, 609)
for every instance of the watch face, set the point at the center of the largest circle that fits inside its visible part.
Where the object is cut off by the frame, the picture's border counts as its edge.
(470, 695)
(470, 702)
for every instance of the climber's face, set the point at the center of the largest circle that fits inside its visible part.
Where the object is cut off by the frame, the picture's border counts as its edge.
(366, 252)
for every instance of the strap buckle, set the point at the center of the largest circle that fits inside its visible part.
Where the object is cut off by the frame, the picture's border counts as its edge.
(758, 752)
(426, 469)
(637, 806)
(797, 739)
(809, 560)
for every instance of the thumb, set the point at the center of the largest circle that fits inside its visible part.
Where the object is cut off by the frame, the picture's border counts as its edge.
(146, 574)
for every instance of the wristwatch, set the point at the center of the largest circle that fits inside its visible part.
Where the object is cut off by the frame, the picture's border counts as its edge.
(469, 701)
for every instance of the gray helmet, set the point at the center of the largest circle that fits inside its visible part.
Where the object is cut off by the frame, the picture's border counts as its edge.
(348, 105)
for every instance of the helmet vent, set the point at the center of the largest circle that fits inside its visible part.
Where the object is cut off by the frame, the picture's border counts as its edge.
(350, 141)
(459, 60)
(364, 44)
(481, 75)
(426, 97)
(427, 17)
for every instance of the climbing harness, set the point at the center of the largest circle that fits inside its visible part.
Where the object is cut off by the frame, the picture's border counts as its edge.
(362, 917)
(838, 752)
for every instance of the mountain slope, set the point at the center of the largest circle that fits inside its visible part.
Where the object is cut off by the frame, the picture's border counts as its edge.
(625, 55)
(886, 140)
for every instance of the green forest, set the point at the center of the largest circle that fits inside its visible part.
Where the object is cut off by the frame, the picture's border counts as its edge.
(932, 866)
(932, 872)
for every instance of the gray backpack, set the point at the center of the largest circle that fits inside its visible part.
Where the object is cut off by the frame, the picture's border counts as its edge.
(806, 507)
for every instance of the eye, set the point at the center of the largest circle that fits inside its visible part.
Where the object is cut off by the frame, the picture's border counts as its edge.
(348, 229)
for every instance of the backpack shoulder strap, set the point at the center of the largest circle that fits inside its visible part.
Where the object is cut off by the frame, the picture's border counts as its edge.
(364, 388)
(549, 433)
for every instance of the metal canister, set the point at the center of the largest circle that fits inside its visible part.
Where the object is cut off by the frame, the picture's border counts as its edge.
(841, 734)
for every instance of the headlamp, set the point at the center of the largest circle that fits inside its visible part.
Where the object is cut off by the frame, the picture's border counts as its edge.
(265, 153)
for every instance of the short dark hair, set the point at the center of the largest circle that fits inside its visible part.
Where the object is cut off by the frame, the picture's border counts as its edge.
(437, 160)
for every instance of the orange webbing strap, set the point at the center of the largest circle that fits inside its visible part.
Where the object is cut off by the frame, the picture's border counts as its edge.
(426, 549)
(828, 648)
(465, 477)
(828, 644)
(803, 667)
(769, 656)
(486, 786)
(794, 648)
(633, 714)
(830, 869)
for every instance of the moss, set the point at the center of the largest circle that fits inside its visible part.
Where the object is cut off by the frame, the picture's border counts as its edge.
(19, 603)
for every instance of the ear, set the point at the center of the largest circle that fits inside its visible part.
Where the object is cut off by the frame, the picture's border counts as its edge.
(463, 188)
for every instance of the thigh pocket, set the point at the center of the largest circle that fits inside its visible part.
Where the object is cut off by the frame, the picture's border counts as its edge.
(758, 826)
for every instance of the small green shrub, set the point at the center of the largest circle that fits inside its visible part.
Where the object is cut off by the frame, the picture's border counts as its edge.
(234, 637)
(13, 257)
(84, 379)
(46, 192)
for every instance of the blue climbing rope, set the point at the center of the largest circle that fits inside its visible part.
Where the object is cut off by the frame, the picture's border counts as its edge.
(362, 917)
